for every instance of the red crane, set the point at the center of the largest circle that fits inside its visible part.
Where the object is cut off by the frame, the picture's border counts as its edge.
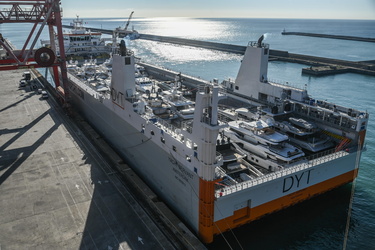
(43, 12)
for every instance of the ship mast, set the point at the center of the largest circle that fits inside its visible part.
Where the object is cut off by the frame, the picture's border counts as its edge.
(205, 131)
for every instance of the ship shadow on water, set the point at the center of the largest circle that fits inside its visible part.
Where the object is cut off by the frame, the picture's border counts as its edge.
(321, 219)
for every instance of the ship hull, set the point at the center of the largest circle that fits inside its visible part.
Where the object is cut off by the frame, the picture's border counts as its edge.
(249, 204)
(159, 169)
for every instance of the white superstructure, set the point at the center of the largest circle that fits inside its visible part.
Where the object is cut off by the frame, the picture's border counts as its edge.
(80, 41)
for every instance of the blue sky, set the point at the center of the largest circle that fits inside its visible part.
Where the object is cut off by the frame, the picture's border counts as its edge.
(321, 9)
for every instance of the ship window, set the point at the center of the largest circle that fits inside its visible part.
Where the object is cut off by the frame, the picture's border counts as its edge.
(174, 148)
(127, 60)
(162, 139)
(152, 132)
(256, 160)
(237, 88)
(252, 158)
(265, 51)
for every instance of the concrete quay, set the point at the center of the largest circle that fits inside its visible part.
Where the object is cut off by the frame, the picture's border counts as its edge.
(57, 191)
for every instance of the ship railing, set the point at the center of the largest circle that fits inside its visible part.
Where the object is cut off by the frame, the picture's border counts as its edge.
(168, 128)
(219, 172)
(219, 158)
(222, 191)
(84, 86)
(320, 154)
(185, 125)
(223, 118)
(286, 84)
(325, 120)
(256, 44)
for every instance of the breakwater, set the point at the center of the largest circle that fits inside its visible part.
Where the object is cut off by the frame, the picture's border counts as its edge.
(320, 64)
(231, 48)
(353, 38)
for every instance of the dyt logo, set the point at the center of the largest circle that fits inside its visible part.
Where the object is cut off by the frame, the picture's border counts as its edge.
(296, 180)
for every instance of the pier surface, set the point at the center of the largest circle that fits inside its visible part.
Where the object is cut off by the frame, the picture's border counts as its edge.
(352, 38)
(56, 191)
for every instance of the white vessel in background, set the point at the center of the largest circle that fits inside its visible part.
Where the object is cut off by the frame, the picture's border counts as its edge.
(200, 163)
(82, 42)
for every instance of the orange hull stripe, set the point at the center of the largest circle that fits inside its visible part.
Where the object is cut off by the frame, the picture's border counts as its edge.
(246, 215)
(206, 210)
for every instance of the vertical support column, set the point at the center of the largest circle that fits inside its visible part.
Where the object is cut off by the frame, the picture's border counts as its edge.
(64, 75)
(56, 76)
(52, 37)
(206, 210)
(27, 40)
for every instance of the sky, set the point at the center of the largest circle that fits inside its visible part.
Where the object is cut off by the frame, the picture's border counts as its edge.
(316, 9)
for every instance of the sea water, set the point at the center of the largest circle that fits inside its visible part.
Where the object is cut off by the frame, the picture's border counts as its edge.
(321, 222)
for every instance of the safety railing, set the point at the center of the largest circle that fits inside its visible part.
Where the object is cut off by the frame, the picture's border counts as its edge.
(275, 175)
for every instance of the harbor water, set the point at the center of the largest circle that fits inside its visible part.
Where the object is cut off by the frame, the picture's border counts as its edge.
(322, 222)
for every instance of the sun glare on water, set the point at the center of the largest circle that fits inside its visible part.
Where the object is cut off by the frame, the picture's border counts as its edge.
(185, 27)
(196, 29)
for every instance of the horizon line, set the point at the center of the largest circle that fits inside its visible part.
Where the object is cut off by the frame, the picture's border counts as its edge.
(286, 18)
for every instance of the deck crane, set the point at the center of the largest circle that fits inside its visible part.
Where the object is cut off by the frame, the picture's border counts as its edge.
(123, 32)
(127, 24)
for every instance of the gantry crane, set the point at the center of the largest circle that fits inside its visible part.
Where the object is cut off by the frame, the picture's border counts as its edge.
(43, 12)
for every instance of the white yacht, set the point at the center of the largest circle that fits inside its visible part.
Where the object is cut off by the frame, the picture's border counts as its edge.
(260, 139)
(305, 134)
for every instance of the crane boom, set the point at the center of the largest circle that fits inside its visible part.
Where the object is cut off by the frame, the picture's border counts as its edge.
(127, 24)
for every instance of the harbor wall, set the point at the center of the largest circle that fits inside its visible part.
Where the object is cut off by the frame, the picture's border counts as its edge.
(367, 68)
(352, 38)
(231, 48)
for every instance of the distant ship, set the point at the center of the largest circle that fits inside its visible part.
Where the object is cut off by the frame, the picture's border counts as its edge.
(82, 42)
(220, 154)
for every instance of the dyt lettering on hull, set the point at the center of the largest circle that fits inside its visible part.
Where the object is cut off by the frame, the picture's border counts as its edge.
(296, 180)
(117, 98)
